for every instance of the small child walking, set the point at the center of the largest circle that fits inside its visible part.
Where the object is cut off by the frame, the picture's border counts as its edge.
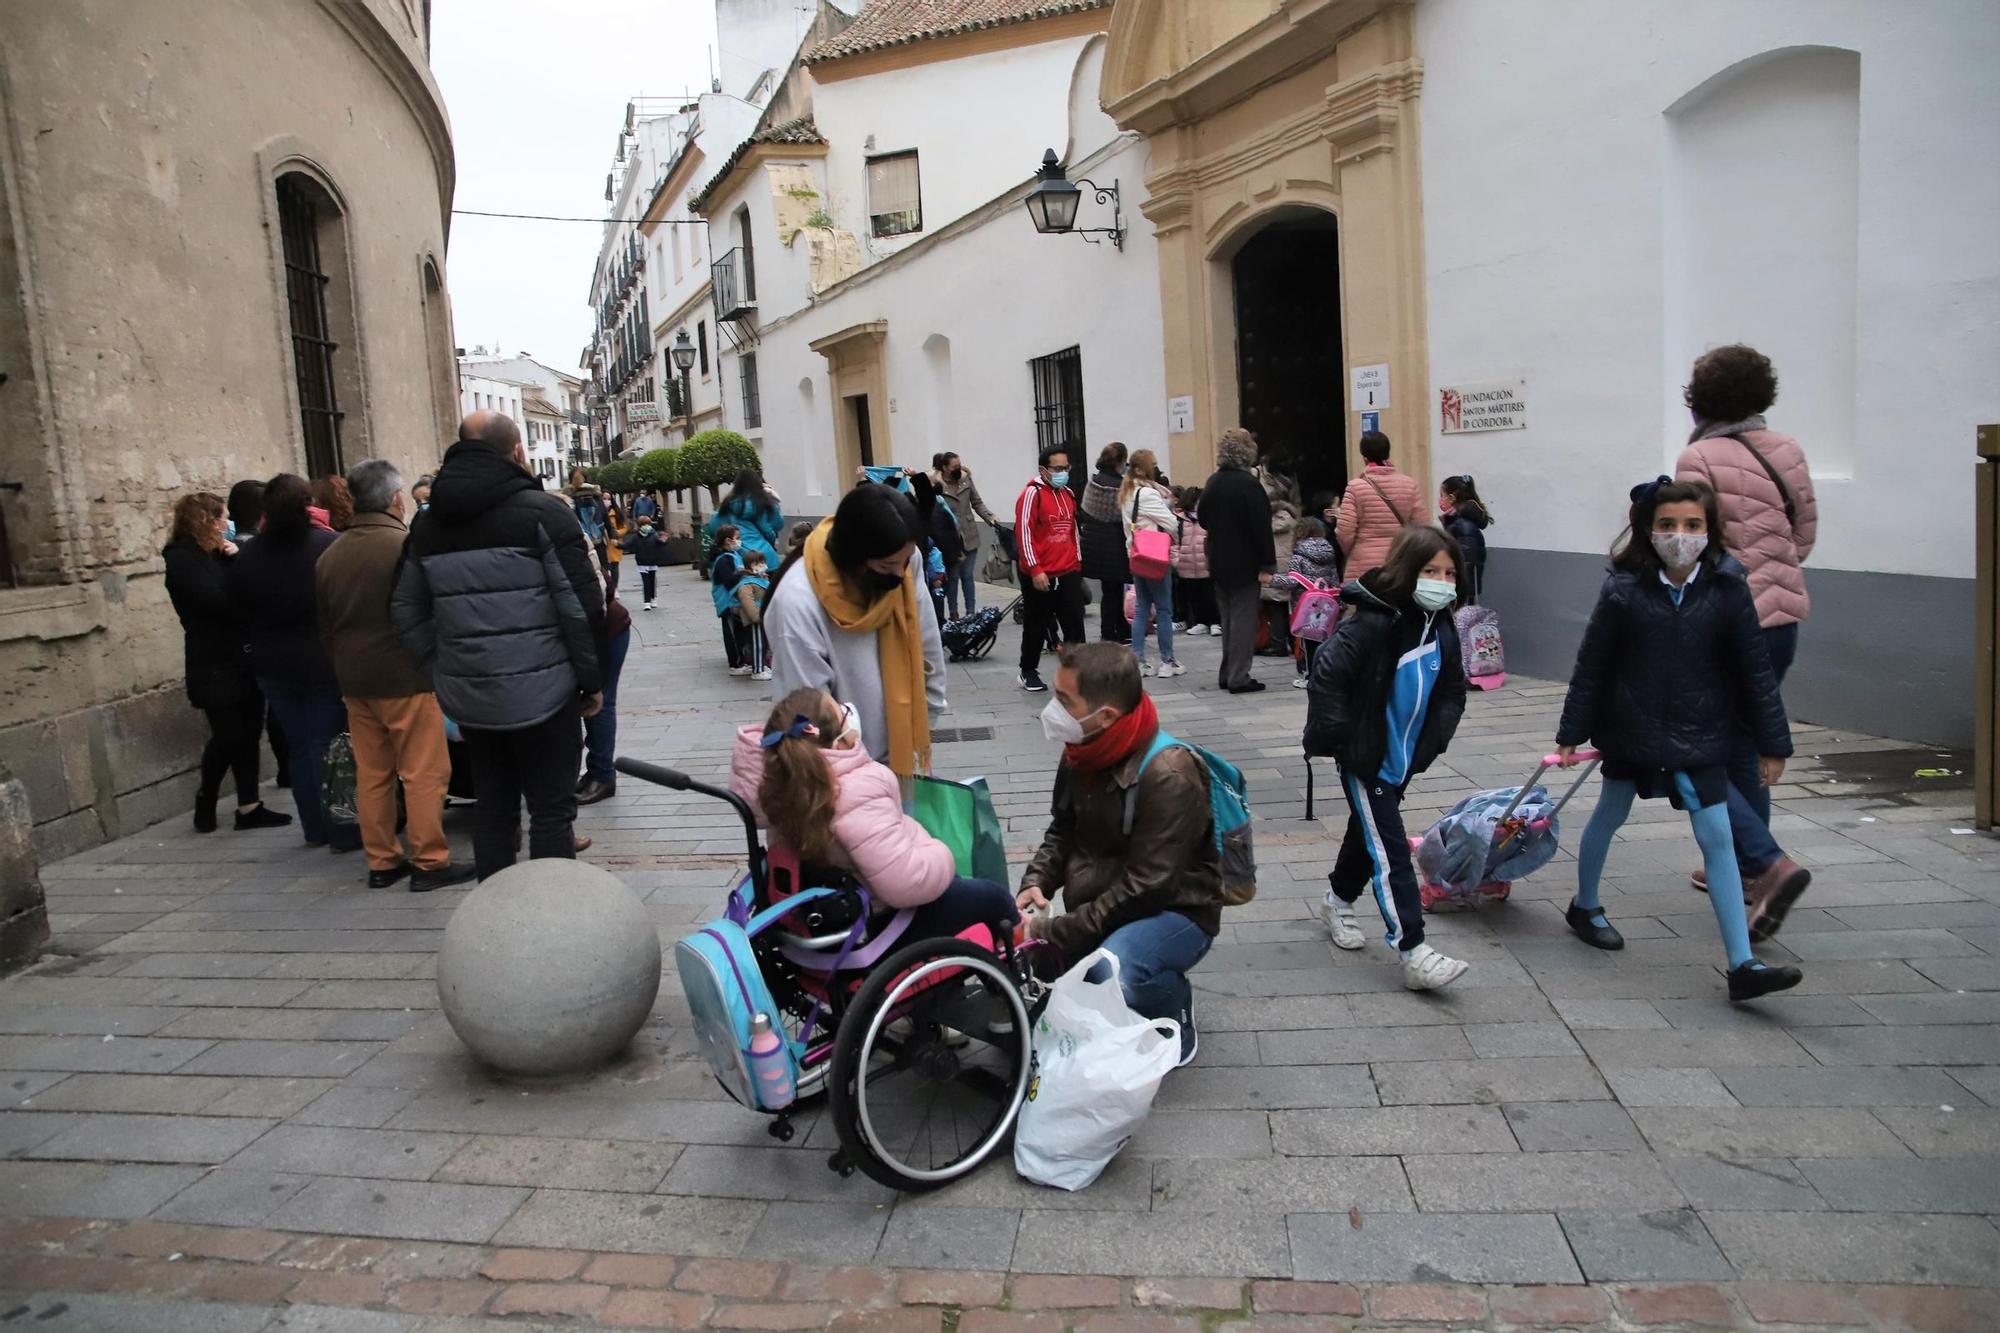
(1313, 557)
(1671, 655)
(1466, 517)
(725, 568)
(748, 614)
(649, 551)
(1384, 699)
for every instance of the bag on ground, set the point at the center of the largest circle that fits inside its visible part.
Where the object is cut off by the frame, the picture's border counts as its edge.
(961, 816)
(1098, 1066)
(1479, 646)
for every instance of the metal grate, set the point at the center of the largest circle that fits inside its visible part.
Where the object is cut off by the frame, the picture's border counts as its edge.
(312, 342)
(1058, 381)
(753, 409)
(947, 735)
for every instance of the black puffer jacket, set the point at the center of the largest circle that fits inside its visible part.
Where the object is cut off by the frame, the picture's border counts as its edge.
(1101, 531)
(218, 661)
(1467, 526)
(1347, 697)
(496, 597)
(1661, 686)
(1236, 515)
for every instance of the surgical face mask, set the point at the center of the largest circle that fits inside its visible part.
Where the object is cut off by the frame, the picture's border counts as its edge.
(1059, 478)
(850, 723)
(879, 583)
(229, 530)
(1435, 594)
(645, 529)
(1679, 550)
(1059, 726)
(954, 474)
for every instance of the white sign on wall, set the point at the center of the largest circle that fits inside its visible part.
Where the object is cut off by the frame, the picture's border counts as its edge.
(1486, 405)
(1180, 415)
(1368, 387)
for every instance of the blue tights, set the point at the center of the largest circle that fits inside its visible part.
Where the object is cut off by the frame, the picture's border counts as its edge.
(1718, 854)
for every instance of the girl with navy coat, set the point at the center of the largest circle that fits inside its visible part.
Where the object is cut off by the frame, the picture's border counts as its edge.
(1671, 659)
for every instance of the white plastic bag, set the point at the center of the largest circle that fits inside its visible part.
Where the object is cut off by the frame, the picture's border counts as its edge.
(1097, 1067)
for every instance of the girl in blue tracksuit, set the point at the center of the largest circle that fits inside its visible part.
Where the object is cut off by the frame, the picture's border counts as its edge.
(1384, 696)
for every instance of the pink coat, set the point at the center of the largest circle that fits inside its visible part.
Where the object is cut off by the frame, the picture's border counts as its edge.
(1191, 551)
(1753, 516)
(1367, 524)
(899, 863)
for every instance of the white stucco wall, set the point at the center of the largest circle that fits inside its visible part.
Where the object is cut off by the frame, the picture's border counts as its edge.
(481, 393)
(1561, 247)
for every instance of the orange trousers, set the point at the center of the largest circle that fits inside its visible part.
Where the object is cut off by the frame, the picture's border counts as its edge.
(400, 737)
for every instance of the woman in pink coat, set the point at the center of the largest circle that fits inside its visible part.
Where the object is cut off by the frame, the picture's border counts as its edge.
(1378, 503)
(1770, 520)
(810, 780)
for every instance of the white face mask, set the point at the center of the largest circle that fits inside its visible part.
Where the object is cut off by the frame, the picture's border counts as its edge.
(1435, 594)
(1059, 726)
(850, 723)
(1679, 550)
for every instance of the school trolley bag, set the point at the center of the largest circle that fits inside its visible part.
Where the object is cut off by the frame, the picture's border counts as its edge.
(1492, 838)
(972, 636)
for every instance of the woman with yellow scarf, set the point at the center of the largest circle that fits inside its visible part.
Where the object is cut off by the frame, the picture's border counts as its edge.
(851, 615)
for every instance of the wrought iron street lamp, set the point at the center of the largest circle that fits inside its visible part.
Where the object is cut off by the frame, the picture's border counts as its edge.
(684, 362)
(1053, 203)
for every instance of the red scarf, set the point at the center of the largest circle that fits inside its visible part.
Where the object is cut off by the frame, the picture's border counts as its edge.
(1117, 742)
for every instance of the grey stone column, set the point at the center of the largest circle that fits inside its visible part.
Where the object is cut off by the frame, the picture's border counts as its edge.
(24, 912)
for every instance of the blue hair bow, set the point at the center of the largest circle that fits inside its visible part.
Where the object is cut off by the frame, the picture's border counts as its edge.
(801, 726)
(1644, 492)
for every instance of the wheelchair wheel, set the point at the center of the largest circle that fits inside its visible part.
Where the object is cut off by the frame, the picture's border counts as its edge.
(931, 1065)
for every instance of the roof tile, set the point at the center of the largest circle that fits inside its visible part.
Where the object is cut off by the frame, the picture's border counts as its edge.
(886, 23)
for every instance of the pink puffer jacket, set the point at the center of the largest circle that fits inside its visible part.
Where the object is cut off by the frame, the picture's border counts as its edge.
(1191, 550)
(1753, 516)
(899, 863)
(1367, 523)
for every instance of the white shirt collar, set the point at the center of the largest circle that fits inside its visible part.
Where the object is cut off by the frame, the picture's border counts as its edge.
(1693, 574)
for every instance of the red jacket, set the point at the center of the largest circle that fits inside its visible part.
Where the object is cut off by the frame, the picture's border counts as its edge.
(1045, 530)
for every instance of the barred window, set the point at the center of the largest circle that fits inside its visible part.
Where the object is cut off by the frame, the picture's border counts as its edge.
(302, 210)
(753, 409)
(1058, 380)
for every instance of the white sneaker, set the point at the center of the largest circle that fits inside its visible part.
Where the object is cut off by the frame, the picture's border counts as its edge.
(739, 671)
(1342, 927)
(760, 675)
(1171, 669)
(1424, 968)
(1145, 668)
(648, 606)
(1193, 629)
(1180, 627)
(1298, 682)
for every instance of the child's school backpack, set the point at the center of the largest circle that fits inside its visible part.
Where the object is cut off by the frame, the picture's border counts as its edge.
(1228, 812)
(725, 990)
(1318, 612)
(1479, 646)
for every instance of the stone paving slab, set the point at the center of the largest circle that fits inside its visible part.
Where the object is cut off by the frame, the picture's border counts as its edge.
(245, 1036)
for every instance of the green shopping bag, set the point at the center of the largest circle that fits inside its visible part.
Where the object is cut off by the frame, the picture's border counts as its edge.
(960, 815)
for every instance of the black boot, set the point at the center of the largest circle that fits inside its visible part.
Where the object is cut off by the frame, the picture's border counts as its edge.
(204, 812)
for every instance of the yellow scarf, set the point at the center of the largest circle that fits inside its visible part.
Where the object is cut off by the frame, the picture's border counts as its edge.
(900, 643)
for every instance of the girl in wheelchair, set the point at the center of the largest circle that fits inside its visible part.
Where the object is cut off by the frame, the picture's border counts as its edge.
(811, 782)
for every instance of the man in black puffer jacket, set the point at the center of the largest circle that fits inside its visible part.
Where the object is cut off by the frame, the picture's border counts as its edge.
(497, 600)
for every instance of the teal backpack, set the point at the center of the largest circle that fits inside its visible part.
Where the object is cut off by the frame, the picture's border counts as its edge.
(1228, 813)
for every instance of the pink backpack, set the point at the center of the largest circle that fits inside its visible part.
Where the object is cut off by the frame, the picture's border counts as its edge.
(1318, 611)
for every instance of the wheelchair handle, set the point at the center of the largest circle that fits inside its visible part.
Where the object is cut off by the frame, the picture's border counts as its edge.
(675, 780)
(657, 774)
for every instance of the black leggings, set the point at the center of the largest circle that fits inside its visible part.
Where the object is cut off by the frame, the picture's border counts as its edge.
(235, 732)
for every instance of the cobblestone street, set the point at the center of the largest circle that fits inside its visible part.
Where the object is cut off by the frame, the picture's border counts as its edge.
(231, 1103)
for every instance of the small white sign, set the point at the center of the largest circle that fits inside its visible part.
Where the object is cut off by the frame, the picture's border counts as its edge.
(1487, 405)
(1368, 387)
(1180, 415)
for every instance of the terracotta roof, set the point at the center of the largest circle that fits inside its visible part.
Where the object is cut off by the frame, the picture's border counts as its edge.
(884, 23)
(801, 130)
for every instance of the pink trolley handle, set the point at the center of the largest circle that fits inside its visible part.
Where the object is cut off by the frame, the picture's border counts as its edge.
(1589, 759)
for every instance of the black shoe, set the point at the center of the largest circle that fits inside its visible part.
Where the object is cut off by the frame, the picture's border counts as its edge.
(590, 793)
(204, 812)
(423, 881)
(1596, 936)
(1190, 1040)
(1031, 681)
(1248, 687)
(261, 816)
(382, 879)
(1754, 979)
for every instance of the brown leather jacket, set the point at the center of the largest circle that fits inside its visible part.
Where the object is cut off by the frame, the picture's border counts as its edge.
(354, 578)
(1108, 880)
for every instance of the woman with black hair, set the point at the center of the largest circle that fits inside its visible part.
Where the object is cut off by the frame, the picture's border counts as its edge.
(851, 616)
(1384, 698)
(1101, 530)
(1464, 515)
(754, 510)
(1670, 659)
(941, 535)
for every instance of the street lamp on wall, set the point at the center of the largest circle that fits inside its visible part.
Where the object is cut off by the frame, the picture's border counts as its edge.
(684, 362)
(1053, 203)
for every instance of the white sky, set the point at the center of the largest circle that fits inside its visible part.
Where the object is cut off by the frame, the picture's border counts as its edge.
(536, 90)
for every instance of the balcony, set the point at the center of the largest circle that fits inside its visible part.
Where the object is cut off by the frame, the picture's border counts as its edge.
(733, 284)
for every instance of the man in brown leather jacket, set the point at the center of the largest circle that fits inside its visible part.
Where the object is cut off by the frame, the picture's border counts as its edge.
(1130, 846)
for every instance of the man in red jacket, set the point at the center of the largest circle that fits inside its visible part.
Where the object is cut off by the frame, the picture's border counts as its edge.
(1051, 561)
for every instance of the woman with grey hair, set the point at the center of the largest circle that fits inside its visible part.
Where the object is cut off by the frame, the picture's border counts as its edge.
(1235, 514)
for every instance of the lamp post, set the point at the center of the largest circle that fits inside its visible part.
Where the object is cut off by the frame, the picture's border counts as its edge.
(1052, 204)
(683, 362)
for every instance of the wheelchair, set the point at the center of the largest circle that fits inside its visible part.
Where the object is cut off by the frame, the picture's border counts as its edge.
(921, 1048)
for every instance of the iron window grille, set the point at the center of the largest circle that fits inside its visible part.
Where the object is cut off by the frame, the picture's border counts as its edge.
(753, 409)
(312, 341)
(1058, 379)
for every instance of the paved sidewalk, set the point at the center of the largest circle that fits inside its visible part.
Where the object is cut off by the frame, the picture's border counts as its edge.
(244, 1037)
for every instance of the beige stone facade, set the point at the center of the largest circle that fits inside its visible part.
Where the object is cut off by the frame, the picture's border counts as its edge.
(1280, 112)
(147, 335)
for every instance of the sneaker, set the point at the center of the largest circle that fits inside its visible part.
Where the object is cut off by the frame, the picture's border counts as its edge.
(1699, 881)
(1202, 630)
(1593, 928)
(760, 675)
(1424, 968)
(739, 671)
(261, 816)
(1168, 669)
(1190, 1040)
(1180, 627)
(1771, 895)
(647, 607)
(1031, 681)
(1754, 979)
(424, 881)
(1298, 682)
(1145, 667)
(1342, 927)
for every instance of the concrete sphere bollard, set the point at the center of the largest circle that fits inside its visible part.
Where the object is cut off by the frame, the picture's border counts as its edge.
(549, 967)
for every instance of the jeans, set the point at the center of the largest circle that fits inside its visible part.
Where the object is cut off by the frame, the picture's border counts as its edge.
(965, 903)
(1238, 605)
(311, 719)
(1749, 799)
(960, 581)
(1155, 954)
(1155, 596)
(1376, 852)
(1711, 833)
(1061, 605)
(536, 763)
(234, 739)
(600, 732)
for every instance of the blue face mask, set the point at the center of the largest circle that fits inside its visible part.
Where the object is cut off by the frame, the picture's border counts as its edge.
(1059, 478)
(229, 529)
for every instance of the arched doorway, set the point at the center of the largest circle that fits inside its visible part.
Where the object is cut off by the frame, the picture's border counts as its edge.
(1290, 386)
